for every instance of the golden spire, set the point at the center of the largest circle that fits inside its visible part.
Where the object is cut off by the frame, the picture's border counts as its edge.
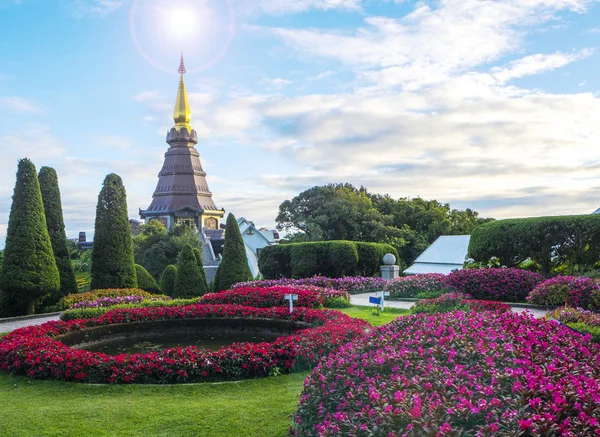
(182, 114)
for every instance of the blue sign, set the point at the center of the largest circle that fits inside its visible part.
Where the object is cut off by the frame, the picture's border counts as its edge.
(375, 300)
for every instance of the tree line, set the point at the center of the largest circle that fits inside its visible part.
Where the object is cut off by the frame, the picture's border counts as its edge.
(345, 212)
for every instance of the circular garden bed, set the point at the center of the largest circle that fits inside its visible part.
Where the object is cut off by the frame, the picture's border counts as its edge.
(456, 374)
(37, 352)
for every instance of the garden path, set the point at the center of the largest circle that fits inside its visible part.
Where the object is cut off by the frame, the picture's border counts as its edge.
(11, 325)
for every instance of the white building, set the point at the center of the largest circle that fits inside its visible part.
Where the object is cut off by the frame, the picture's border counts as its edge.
(445, 254)
(254, 240)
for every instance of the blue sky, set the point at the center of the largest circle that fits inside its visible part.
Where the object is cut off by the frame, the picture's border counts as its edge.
(493, 105)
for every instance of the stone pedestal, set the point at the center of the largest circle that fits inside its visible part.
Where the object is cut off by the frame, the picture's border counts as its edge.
(390, 272)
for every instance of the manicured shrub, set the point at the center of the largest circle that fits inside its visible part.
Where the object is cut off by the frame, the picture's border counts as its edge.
(90, 296)
(188, 281)
(112, 301)
(410, 286)
(274, 261)
(351, 284)
(167, 279)
(456, 374)
(34, 352)
(112, 253)
(56, 229)
(29, 272)
(328, 258)
(234, 266)
(574, 291)
(203, 283)
(573, 241)
(145, 280)
(456, 301)
(509, 285)
(430, 294)
(570, 315)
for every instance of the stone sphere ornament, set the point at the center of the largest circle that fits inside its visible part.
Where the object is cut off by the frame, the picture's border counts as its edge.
(389, 259)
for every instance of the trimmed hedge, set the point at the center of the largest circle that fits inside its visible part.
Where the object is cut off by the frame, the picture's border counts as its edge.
(90, 313)
(234, 266)
(145, 280)
(167, 279)
(549, 241)
(328, 258)
(574, 291)
(71, 299)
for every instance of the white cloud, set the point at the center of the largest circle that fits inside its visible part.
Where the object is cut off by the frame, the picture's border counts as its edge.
(95, 8)
(536, 64)
(275, 83)
(19, 104)
(278, 7)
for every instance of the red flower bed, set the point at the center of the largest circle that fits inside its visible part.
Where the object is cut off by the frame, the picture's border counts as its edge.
(267, 297)
(33, 351)
(456, 374)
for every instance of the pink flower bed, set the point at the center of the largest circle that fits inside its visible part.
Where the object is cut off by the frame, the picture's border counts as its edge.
(310, 297)
(456, 374)
(351, 284)
(410, 286)
(33, 351)
(574, 291)
(575, 315)
(456, 301)
(509, 285)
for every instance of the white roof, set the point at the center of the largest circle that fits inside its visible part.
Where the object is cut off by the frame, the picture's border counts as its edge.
(597, 211)
(445, 254)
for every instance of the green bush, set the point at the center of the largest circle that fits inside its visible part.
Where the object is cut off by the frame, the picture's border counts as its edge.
(430, 294)
(550, 242)
(203, 283)
(29, 271)
(112, 253)
(274, 261)
(56, 229)
(145, 280)
(333, 259)
(234, 266)
(167, 279)
(594, 331)
(188, 281)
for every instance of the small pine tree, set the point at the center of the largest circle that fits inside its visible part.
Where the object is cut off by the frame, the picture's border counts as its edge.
(29, 271)
(112, 252)
(145, 280)
(188, 282)
(56, 229)
(167, 280)
(204, 284)
(234, 267)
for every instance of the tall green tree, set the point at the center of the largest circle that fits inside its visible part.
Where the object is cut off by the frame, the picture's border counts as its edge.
(29, 271)
(112, 252)
(188, 281)
(56, 229)
(167, 280)
(234, 266)
(198, 255)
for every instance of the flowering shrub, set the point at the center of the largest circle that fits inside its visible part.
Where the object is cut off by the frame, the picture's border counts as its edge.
(511, 285)
(112, 301)
(575, 315)
(71, 299)
(456, 301)
(351, 284)
(410, 286)
(456, 374)
(575, 291)
(266, 297)
(90, 313)
(33, 351)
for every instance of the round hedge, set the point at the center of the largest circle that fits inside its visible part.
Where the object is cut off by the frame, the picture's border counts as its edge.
(33, 351)
(574, 291)
(456, 374)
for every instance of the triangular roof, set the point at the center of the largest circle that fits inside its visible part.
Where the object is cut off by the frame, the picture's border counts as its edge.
(445, 254)
(597, 211)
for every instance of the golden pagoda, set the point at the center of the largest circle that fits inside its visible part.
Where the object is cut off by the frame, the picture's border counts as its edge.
(182, 195)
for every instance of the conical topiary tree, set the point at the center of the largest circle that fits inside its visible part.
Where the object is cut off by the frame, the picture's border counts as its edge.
(145, 281)
(167, 280)
(29, 271)
(112, 252)
(234, 266)
(56, 229)
(198, 255)
(188, 282)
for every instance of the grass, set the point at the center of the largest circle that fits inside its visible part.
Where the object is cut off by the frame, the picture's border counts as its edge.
(366, 313)
(260, 407)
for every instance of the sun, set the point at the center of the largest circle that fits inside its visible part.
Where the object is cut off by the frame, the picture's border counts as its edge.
(181, 23)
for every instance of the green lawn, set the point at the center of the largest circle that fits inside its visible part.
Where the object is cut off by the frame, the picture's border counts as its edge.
(366, 313)
(260, 407)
